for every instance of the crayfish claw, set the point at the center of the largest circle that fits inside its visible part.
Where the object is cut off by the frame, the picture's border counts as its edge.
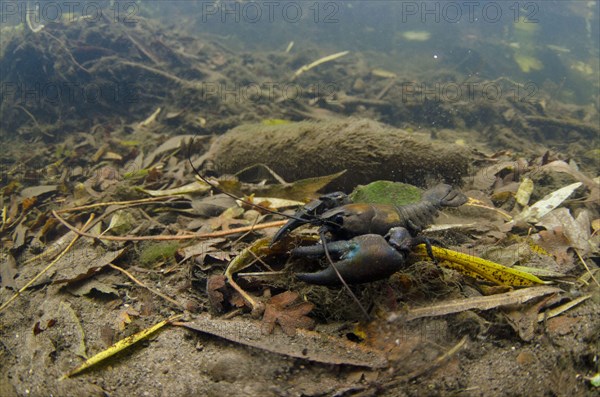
(285, 229)
(364, 259)
(335, 248)
(310, 213)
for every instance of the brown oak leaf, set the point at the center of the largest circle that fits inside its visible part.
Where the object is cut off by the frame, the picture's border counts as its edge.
(215, 286)
(283, 309)
(556, 243)
(220, 296)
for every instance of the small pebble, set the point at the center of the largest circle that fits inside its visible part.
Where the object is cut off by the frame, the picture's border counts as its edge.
(525, 358)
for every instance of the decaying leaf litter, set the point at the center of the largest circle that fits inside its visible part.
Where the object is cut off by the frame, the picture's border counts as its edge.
(159, 236)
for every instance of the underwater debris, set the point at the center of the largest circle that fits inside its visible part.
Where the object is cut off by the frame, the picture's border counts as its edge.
(416, 35)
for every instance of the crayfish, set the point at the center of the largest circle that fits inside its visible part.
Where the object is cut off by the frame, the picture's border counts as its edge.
(371, 241)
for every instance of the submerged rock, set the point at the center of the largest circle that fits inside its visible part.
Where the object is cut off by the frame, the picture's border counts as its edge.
(368, 150)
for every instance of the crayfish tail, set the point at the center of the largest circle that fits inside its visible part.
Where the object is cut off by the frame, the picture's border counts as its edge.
(444, 195)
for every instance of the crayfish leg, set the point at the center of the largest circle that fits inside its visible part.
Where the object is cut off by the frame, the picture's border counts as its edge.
(424, 240)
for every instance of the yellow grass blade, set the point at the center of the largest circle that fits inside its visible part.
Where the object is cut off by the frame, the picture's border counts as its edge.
(120, 345)
(479, 268)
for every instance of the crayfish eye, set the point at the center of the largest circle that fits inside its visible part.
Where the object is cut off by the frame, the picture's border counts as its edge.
(338, 220)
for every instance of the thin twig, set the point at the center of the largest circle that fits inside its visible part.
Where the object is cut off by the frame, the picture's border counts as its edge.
(138, 282)
(28, 12)
(587, 268)
(33, 280)
(248, 232)
(168, 237)
(164, 74)
(385, 89)
(436, 363)
(440, 360)
(28, 113)
(124, 203)
(258, 259)
(261, 274)
(56, 246)
(67, 51)
(257, 306)
(318, 62)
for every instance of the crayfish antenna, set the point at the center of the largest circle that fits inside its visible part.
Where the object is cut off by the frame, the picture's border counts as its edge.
(233, 196)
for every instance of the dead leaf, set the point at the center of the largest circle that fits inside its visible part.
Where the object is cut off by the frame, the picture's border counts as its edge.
(77, 332)
(82, 262)
(219, 293)
(19, 235)
(121, 222)
(282, 310)
(8, 270)
(274, 203)
(86, 288)
(546, 204)
(190, 188)
(524, 318)
(28, 203)
(112, 156)
(228, 219)
(170, 145)
(48, 226)
(561, 166)
(124, 318)
(515, 297)
(596, 225)
(200, 250)
(524, 193)
(212, 205)
(37, 329)
(556, 243)
(302, 189)
(486, 177)
(36, 191)
(308, 345)
(119, 346)
(237, 300)
(577, 231)
(479, 268)
(220, 256)
(215, 288)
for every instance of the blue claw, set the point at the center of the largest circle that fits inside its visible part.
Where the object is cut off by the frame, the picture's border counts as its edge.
(363, 259)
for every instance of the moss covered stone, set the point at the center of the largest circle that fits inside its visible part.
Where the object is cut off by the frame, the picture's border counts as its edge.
(368, 150)
(386, 192)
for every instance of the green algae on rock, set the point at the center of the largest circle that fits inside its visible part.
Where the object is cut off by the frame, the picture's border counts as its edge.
(386, 192)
